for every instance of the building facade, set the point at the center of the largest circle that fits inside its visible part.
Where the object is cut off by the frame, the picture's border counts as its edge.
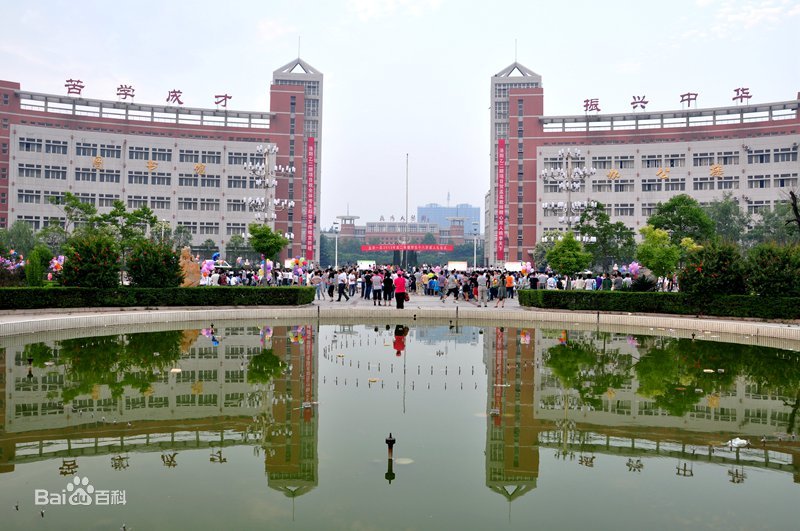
(186, 164)
(641, 158)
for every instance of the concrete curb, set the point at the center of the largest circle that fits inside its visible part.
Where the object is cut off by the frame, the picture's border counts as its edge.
(32, 323)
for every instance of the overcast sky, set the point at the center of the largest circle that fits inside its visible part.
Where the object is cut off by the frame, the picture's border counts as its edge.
(408, 76)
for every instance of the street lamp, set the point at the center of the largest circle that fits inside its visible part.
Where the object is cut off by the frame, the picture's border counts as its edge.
(335, 229)
(569, 179)
(265, 176)
(475, 244)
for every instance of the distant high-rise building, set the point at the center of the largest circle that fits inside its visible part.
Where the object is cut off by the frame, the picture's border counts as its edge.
(438, 214)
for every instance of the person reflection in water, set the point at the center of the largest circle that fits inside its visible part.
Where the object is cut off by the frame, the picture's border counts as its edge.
(400, 333)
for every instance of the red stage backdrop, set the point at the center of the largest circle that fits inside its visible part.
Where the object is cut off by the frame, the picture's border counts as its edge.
(407, 247)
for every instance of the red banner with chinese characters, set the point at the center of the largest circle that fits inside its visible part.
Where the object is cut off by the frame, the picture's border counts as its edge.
(308, 372)
(499, 372)
(311, 158)
(500, 246)
(408, 247)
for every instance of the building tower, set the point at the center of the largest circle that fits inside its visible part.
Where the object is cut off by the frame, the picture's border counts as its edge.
(516, 102)
(296, 101)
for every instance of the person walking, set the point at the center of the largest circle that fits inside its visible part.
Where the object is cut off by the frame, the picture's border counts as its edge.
(377, 288)
(342, 283)
(400, 290)
(501, 291)
(483, 287)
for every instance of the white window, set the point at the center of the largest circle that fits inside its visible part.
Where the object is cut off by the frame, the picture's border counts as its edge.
(110, 151)
(84, 149)
(163, 154)
(703, 159)
(137, 201)
(758, 181)
(85, 174)
(189, 155)
(138, 177)
(29, 196)
(187, 203)
(58, 147)
(138, 153)
(30, 144)
(30, 170)
(160, 203)
(185, 179)
(109, 176)
(55, 172)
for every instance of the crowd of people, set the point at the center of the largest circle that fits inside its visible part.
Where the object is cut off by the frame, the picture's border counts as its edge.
(391, 286)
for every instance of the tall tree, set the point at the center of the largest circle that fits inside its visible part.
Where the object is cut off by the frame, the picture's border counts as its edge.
(21, 238)
(657, 252)
(567, 256)
(682, 217)
(614, 241)
(78, 215)
(772, 226)
(730, 221)
(264, 241)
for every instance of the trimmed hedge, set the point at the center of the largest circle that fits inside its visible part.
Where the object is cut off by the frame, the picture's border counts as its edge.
(670, 303)
(66, 297)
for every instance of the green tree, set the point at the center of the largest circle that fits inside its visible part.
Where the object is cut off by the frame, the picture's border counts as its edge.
(264, 241)
(131, 227)
(715, 268)
(428, 239)
(54, 237)
(772, 226)
(613, 241)
(264, 367)
(21, 238)
(181, 237)
(36, 264)
(682, 216)
(568, 256)
(78, 215)
(772, 270)
(154, 265)
(92, 260)
(656, 252)
(730, 222)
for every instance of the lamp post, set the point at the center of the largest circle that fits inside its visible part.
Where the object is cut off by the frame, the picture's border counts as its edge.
(335, 229)
(475, 244)
(163, 222)
(570, 179)
(265, 176)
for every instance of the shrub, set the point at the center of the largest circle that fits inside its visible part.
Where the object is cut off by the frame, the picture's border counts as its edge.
(716, 268)
(643, 283)
(153, 265)
(670, 303)
(91, 261)
(121, 296)
(773, 270)
(36, 266)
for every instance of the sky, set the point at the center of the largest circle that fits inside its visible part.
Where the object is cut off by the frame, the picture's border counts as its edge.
(408, 76)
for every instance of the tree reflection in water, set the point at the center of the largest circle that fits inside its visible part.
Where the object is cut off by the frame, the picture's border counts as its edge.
(675, 373)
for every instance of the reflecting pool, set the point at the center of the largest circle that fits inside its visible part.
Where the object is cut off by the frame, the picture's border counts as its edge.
(395, 425)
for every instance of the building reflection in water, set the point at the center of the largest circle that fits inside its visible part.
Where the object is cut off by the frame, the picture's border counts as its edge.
(164, 392)
(582, 395)
(512, 431)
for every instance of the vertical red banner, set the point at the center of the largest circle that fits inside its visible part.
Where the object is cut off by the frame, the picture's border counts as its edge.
(308, 371)
(311, 159)
(500, 246)
(499, 373)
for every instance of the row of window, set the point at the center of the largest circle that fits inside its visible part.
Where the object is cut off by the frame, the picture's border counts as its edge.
(84, 149)
(194, 227)
(724, 158)
(678, 184)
